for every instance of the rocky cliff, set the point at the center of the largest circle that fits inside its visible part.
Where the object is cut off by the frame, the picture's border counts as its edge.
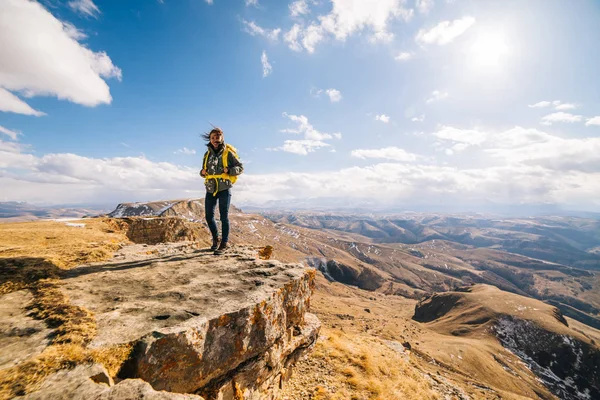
(194, 326)
(190, 209)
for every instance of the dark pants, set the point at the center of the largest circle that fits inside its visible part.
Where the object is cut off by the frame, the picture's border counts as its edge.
(210, 204)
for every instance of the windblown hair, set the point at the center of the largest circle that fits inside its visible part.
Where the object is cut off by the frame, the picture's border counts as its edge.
(206, 136)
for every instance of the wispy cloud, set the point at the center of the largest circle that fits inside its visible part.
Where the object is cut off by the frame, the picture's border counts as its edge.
(344, 20)
(541, 104)
(437, 95)
(557, 104)
(387, 153)
(560, 117)
(445, 32)
(313, 139)
(334, 95)
(298, 8)
(185, 151)
(252, 3)
(85, 7)
(253, 29)
(301, 147)
(383, 118)
(424, 6)
(267, 68)
(403, 56)
(566, 106)
(593, 121)
(12, 134)
(420, 118)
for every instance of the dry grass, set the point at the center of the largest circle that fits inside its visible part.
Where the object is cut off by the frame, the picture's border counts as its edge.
(32, 256)
(364, 367)
(64, 246)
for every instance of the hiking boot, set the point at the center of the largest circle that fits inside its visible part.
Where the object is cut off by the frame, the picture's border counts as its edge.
(222, 248)
(215, 244)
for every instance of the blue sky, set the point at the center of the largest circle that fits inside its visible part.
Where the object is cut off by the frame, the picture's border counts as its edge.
(383, 102)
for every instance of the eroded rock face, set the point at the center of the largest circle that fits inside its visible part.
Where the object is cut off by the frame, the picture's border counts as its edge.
(227, 327)
(163, 230)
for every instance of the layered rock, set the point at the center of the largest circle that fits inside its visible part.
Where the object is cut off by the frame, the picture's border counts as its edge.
(226, 327)
(163, 230)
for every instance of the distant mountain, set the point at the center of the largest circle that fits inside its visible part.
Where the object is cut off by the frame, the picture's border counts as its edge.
(565, 240)
(190, 209)
(14, 211)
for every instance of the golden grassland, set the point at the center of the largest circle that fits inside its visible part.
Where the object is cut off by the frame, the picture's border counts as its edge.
(365, 368)
(32, 256)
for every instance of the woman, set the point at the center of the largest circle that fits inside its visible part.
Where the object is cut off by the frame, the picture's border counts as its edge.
(220, 169)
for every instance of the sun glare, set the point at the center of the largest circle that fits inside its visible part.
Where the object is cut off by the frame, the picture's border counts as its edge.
(488, 50)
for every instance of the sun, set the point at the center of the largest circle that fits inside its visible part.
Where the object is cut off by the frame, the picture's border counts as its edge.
(488, 50)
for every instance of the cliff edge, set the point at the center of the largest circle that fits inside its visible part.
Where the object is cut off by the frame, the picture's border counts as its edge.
(192, 324)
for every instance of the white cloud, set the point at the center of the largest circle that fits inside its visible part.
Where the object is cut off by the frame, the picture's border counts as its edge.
(521, 147)
(253, 29)
(560, 117)
(383, 118)
(185, 151)
(593, 121)
(437, 95)
(12, 134)
(252, 3)
(313, 139)
(558, 105)
(209, 1)
(403, 56)
(566, 106)
(299, 37)
(388, 153)
(298, 8)
(348, 17)
(301, 147)
(306, 129)
(531, 166)
(460, 139)
(267, 68)
(541, 104)
(85, 7)
(420, 118)
(72, 31)
(334, 95)
(445, 32)
(414, 184)
(311, 37)
(424, 6)
(11, 103)
(291, 37)
(41, 57)
(345, 19)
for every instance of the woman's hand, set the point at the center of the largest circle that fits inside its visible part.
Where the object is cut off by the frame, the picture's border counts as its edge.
(203, 173)
(226, 170)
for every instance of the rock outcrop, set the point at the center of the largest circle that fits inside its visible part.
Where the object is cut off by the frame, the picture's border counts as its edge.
(163, 230)
(190, 209)
(227, 327)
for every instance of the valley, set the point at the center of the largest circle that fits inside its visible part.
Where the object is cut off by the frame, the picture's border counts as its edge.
(410, 307)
